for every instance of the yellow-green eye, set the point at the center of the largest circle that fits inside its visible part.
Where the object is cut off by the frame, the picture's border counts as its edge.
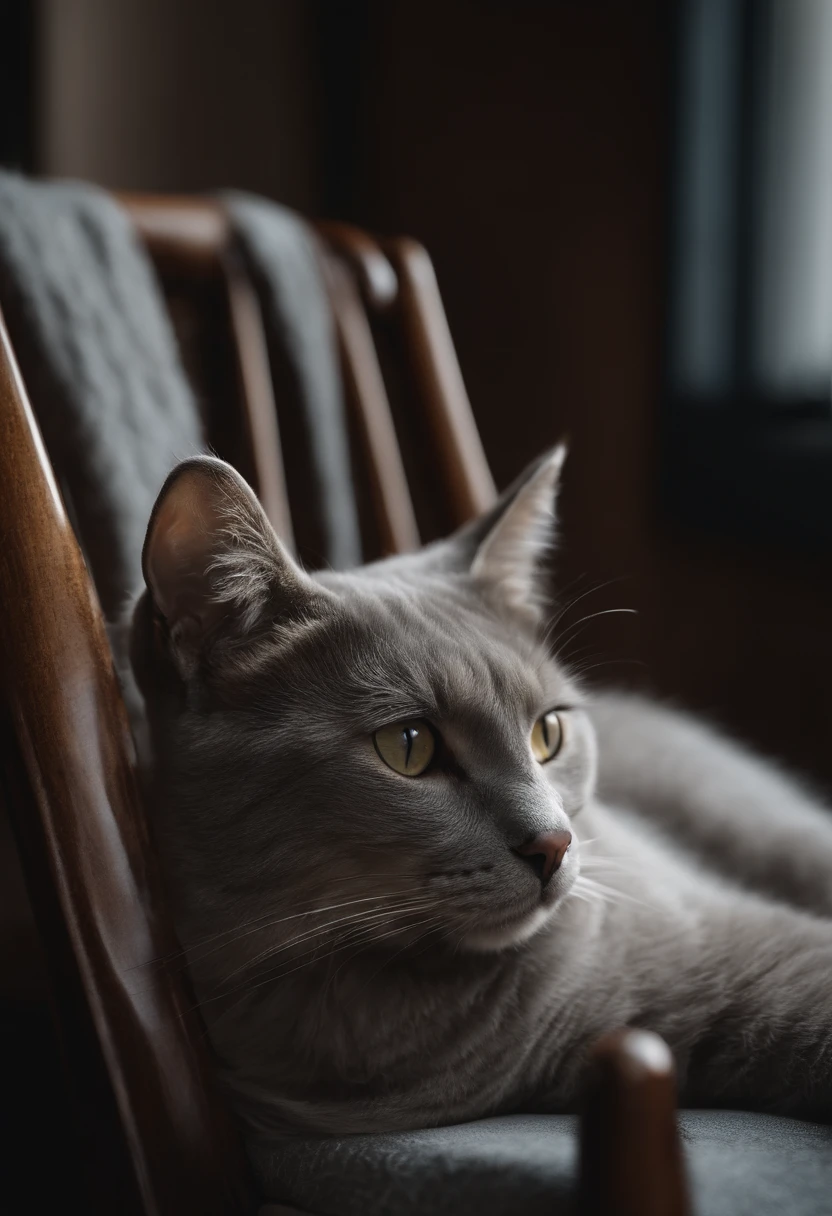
(547, 737)
(407, 747)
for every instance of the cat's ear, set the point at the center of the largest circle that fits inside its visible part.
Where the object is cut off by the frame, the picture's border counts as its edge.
(512, 554)
(507, 548)
(212, 563)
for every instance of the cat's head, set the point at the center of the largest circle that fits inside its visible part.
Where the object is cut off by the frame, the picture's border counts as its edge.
(365, 757)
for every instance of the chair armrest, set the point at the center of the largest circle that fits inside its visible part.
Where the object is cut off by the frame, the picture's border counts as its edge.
(631, 1159)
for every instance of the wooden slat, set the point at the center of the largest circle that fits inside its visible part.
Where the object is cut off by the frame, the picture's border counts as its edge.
(192, 238)
(257, 397)
(367, 399)
(182, 234)
(436, 373)
(160, 1139)
(376, 277)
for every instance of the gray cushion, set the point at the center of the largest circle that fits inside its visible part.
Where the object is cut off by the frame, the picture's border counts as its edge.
(752, 1165)
(738, 1163)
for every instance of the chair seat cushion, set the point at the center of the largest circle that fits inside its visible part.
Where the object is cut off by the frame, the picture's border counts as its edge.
(737, 1163)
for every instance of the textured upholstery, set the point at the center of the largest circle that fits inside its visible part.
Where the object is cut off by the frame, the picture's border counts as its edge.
(99, 358)
(282, 257)
(738, 1164)
(752, 1165)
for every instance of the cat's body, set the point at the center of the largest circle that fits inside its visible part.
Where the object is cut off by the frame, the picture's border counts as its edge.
(739, 987)
(373, 950)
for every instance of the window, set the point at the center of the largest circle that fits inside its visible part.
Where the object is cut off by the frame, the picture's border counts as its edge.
(749, 350)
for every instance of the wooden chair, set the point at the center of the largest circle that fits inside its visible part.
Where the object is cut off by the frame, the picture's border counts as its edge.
(156, 1137)
(391, 289)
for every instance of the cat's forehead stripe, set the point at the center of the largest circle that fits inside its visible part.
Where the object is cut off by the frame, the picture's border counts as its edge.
(449, 660)
(398, 653)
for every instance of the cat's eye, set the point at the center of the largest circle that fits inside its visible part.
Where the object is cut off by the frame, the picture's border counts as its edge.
(547, 737)
(406, 747)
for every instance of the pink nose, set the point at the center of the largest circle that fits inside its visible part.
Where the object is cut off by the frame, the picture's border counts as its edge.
(545, 853)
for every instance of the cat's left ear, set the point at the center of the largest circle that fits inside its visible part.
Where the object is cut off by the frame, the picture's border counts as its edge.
(214, 568)
(507, 548)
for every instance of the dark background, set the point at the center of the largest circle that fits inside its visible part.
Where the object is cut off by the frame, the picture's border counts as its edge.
(530, 146)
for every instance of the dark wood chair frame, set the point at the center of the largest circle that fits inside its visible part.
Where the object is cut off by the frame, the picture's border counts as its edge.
(161, 1139)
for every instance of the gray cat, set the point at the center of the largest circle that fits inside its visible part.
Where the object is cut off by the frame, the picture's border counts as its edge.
(417, 870)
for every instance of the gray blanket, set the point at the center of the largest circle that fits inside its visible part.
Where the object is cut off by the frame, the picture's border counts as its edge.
(282, 257)
(100, 363)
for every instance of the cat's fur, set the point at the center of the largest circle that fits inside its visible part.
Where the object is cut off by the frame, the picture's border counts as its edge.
(368, 951)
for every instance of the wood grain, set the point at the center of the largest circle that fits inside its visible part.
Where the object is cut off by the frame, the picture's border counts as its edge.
(631, 1158)
(159, 1139)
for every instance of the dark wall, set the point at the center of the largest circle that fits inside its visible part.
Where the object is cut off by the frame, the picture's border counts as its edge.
(17, 84)
(181, 95)
(527, 144)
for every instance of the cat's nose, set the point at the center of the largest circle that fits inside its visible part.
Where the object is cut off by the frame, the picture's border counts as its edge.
(545, 853)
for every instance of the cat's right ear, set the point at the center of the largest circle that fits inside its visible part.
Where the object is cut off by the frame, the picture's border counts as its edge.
(508, 549)
(213, 565)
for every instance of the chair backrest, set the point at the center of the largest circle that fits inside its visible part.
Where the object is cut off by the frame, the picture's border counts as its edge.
(160, 1139)
(404, 389)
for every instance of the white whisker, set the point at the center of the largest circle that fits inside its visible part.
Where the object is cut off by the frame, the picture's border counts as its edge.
(270, 924)
(366, 916)
(600, 863)
(610, 893)
(572, 631)
(270, 979)
(307, 907)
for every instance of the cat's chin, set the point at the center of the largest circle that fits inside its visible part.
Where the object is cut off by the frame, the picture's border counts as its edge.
(501, 937)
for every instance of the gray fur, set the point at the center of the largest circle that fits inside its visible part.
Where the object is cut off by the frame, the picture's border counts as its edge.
(368, 952)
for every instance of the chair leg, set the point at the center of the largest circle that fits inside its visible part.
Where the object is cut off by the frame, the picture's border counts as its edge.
(631, 1159)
